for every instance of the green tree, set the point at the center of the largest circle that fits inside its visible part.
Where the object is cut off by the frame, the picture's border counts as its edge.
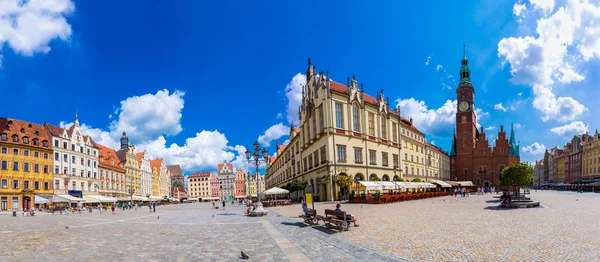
(517, 175)
(374, 178)
(344, 181)
(416, 180)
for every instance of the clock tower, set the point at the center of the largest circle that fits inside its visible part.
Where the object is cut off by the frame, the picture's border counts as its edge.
(466, 122)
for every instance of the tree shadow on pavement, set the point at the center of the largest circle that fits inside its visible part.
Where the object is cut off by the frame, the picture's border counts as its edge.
(315, 227)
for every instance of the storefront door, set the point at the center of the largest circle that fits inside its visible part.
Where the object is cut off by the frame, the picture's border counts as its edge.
(4, 203)
(26, 202)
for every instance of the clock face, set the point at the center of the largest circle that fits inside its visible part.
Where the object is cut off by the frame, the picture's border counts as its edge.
(463, 106)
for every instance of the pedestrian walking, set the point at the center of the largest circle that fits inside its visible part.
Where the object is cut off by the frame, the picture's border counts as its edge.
(112, 208)
(150, 206)
(223, 204)
(455, 190)
(100, 207)
(154, 207)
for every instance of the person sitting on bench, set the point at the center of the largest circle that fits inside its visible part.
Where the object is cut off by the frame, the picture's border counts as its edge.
(349, 217)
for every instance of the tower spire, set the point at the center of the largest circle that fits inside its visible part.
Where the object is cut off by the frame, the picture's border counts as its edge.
(465, 72)
(76, 118)
(453, 148)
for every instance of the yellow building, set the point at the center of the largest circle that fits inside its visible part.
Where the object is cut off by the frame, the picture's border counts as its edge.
(413, 145)
(199, 185)
(155, 165)
(129, 162)
(437, 163)
(591, 156)
(343, 132)
(25, 164)
(252, 186)
(563, 156)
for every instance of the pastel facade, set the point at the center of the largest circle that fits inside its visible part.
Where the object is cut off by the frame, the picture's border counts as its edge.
(591, 156)
(145, 173)
(75, 161)
(154, 164)
(345, 132)
(240, 184)
(199, 185)
(214, 186)
(25, 164)
(129, 162)
(253, 186)
(112, 174)
(226, 185)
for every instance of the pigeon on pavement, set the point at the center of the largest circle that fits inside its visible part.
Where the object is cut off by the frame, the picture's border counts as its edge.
(244, 256)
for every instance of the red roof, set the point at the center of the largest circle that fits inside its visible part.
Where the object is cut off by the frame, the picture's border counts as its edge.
(13, 127)
(344, 89)
(199, 174)
(106, 153)
(139, 157)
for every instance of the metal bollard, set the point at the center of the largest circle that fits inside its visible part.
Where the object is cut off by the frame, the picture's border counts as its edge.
(14, 213)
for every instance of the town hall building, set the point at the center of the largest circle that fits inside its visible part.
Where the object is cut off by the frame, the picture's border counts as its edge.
(471, 156)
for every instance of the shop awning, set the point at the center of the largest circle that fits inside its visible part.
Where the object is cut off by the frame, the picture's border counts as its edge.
(370, 185)
(155, 198)
(103, 199)
(441, 183)
(71, 199)
(276, 191)
(41, 200)
(461, 183)
(89, 199)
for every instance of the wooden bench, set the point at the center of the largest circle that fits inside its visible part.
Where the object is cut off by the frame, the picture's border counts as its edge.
(337, 218)
(310, 216)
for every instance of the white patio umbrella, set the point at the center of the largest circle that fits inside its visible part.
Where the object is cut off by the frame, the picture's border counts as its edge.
(276, 191)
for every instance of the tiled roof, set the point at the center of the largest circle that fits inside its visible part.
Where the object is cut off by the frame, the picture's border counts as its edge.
(140, 156)
(175, 170)
(106, 153)
(199, 174)
(282, 147)
(54, 130)
(344, 89)
(297, 130)
(22, 129)
(122, 154)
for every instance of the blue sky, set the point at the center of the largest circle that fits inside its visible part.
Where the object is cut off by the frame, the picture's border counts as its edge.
(196, 82)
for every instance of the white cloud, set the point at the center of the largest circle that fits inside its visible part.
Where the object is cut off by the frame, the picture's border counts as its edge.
(520, 93)
(519, 9)
(28, 27)
(573, 128)
(499, 107)
(149, 116)
(544, 5)
(567, 37)
(274, 132)
(204, 151)
(439, 67)
(446, 86)
(535, 149)
(435, 122)
(428, 58)
(279, 116)
(293, 92)
(517, 125)
(490, 128)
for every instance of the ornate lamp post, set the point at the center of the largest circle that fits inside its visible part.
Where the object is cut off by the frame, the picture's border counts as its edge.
(131, 191)
(256, 159)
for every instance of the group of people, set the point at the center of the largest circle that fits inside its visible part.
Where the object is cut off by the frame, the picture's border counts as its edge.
(461, 191)
(505, 199)
(338, 208)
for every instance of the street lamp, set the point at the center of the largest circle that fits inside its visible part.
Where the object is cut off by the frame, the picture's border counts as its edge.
(131, 191)
(256, 159)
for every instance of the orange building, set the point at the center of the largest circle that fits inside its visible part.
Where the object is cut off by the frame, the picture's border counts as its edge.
(25, 164)
(240, 184)
(112, 175)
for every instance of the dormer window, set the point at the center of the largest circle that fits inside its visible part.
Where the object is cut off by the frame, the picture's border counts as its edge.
(22, 130)
(35, 142)
(25, 140)
(15, 138)
(45, 143)
(3, 137)
(37, 133)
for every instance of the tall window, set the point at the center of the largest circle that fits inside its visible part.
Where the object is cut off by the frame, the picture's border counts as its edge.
(323, 154)
(339, 116)
(321, 119)
(358, 155)
(316, 158)
(341, 153)
(383, 127)
(371, 124)
(394, 132)
(372, 157)
(384, 158)
(395, 159)
(355, 118)
(314, 125)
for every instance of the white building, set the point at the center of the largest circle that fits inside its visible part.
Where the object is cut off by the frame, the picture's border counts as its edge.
(75, 161)
(145, 173)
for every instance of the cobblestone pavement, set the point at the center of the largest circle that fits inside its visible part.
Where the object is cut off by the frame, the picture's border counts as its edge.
(187, 232)
(565, 228)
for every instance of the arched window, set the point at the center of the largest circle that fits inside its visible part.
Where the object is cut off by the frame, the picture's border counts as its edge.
(15, 138)
(355, 118)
